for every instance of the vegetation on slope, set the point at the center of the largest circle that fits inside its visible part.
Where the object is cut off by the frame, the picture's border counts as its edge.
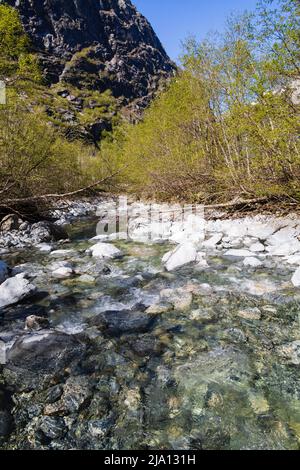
(40, 152)
(227, 127)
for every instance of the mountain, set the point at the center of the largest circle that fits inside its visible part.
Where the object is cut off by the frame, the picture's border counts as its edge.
(98, 45)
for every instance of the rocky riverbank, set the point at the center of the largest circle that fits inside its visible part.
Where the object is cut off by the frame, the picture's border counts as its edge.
(182, 335)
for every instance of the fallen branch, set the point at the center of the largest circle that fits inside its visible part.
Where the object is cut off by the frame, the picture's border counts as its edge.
(238, 203)
(44, 197)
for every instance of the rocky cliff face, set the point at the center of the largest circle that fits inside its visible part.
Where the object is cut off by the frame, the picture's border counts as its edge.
(97, 44)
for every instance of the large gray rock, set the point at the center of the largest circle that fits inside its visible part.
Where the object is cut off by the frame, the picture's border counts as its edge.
(15, 289)
(37, 358)
(3, 271)
(116, 322)
(182, 255)
(118, 49)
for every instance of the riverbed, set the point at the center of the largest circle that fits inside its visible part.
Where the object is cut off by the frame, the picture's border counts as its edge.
(203, 357)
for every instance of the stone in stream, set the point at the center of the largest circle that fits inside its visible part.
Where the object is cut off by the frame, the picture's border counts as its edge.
(239, 253)
(294, 259)
(213, 241)
(180, 298)
(10, 222)
(3, 271)
(257, 247)
(182, 255)
(283, 236)
(117, 322)
(44, 232)
(33, 322)
(44, 247)
(249, 314)
(258, 288)
(159, 308)
(290, 352)
(63, 272)
(252, 262)
(39, 357)
(144, 345)
(62, 253)
(105, 251)
(285, 249)
(296, 278)
(6, 424)
(73, 397)
(52, 428)
(15, 289)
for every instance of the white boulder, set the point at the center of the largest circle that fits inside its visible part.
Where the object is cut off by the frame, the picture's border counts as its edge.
(296, 278)
(239, 253)
(3, 271)
(260, 230)
(213, 241)
(285, 235)
(62, 253)
(44, 247)
(182, 255)
(63, 272)
(252, 262)
(105, 251)
(15, 289)
(294, 259)
(257, 247)
(285, 249)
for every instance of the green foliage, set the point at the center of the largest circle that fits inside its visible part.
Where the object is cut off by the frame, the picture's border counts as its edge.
(36, 160)
(16, 60)
(13, 40)
(227, 126)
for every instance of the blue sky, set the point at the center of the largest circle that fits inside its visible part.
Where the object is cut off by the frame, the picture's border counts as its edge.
(175, 20)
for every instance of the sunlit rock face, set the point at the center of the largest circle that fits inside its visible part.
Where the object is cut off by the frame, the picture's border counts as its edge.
(99, 44)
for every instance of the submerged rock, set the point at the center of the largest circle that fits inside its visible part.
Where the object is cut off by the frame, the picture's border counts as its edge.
(182, 255)
(63, 272)
(159, 308)
(252, 262)
(40, 356)
(3, 271)
(115, 323)
(105, 251)
(62, 253)
(15, 289)
(291, 352)
(75, 395)
(239, 253)
(250, 314)
(180, 298)
(33, 322)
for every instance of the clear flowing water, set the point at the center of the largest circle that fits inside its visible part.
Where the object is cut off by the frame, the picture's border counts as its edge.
(208, 373)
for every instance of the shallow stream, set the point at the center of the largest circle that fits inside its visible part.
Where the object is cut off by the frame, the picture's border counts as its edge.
(215, 367)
